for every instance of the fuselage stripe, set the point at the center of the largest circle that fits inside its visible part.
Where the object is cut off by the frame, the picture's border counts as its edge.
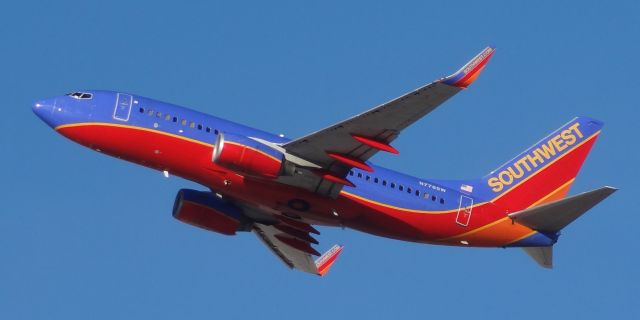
(479, 203)
(106, 124)
(505, 218)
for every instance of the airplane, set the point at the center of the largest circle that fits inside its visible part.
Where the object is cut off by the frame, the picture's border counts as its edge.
(280, 188)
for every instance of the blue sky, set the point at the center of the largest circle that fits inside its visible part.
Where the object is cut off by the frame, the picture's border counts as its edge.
(87, 236)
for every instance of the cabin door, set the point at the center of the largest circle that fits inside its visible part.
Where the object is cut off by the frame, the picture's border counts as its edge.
(464, 211)
(122, 110)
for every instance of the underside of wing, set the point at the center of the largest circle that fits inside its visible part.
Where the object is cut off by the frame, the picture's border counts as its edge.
(290, 240)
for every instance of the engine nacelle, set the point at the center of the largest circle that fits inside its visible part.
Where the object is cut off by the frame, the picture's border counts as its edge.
(205, 210)
(245, 155)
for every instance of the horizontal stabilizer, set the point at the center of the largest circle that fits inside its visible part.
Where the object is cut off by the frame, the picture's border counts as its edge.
(542, 255)
(553, 216)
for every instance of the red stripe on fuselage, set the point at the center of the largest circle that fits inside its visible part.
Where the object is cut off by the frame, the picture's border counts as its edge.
(191, 159)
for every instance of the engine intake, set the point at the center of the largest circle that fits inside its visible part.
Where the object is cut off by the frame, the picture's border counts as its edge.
(248, 156)
(205, 210)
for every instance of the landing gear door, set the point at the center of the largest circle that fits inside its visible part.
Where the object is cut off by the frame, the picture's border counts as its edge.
(464, 211)
(122, 109)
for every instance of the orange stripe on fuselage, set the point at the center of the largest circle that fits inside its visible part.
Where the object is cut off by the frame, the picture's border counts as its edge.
(489, 225)
(504, 231)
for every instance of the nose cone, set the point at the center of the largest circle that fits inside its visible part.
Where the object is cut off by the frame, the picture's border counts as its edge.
(44, 110)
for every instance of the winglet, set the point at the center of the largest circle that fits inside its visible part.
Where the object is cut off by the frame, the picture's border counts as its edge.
(470, 71)
(324, 263)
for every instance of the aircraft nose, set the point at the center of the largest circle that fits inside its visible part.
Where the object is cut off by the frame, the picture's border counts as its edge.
(44, 110)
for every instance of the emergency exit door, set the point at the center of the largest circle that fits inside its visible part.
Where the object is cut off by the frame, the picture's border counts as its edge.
(464, 211)
(122, 110)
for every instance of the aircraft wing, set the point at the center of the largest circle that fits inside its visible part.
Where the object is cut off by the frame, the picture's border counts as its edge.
(290, 240)
(348, 144)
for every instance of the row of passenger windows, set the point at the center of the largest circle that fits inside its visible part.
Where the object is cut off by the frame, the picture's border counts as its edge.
(192, 124)
(183, 122)
(393, 185)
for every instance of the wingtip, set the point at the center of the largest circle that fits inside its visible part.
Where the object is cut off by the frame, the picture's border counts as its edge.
(470, 71)
(324, 263)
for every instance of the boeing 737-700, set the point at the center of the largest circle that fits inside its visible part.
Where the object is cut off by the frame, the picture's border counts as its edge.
(279, 188)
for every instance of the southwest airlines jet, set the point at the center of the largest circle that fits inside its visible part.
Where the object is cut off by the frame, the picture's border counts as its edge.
(279, 188)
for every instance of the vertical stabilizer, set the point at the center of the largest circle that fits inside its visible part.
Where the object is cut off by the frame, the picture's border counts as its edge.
(544, 172)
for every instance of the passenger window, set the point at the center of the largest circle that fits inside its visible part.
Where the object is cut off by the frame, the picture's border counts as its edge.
(400, 187)
(208, 129)
(175, 119)
(141, 110)
(167, 117)
(150, 113)
(417, 193)
(184, 122)
(426, 195)
(359, 175)
(215, 131)
(192, 124)
(441, 200)
(368, 178)
(199, 127)
(393, 185)
(408, 190)
(384, 182)
(433, 198)
(159, 114)
(350, 173)
(375, 180)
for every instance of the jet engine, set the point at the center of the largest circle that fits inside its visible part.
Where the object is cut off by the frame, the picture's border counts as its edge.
(205, 210)
(248, 156)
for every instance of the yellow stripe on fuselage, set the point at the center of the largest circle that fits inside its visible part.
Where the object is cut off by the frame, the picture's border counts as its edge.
(479, 203)
(106, 124)
(348, 194)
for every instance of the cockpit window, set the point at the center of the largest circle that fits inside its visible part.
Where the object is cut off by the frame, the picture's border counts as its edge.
(80, 95)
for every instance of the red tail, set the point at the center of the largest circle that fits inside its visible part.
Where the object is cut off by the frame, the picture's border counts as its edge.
(545, 171)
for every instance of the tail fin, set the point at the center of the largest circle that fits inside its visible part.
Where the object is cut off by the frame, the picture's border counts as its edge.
(545, 171)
